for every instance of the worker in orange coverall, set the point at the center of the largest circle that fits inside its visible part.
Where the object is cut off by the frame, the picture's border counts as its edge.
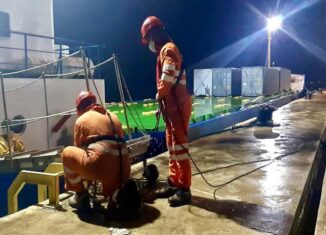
(175, 105)
(97, 154)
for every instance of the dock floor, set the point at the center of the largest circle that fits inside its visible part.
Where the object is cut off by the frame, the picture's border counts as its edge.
(259, 174)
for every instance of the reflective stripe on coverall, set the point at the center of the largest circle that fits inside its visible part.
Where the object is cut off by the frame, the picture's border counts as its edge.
(96, 161)
(176, 112)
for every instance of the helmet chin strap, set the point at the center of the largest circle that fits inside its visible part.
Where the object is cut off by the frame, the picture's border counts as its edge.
(151, 46)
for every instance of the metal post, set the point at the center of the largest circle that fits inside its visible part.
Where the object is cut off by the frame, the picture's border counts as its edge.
(117, 71)
(89, 71)
(97, 61)
(47, 111)
(89, 52)
(60, 57)
(269, 45)
(6, 114)
(25, 50)
(85, 67)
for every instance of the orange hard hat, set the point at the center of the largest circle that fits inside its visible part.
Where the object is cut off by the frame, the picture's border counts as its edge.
(83, 100)
(149, 23)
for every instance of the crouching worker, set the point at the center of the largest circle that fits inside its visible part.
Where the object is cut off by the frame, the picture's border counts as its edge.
(100, 154)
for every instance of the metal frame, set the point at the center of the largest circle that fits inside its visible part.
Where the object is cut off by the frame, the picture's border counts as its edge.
(49, 178)
(6, 114)
(59, 41)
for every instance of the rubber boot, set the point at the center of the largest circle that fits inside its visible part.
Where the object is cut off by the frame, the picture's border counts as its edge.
(80, 201)
(168, 191)
(180, 198)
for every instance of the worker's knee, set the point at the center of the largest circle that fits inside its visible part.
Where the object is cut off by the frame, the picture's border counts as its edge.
(67, 150)
(71, 154)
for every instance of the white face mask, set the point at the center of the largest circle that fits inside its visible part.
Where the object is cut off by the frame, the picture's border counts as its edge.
(151, 46)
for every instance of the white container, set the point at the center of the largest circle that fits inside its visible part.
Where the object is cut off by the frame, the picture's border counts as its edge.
(297, 82)
(203, 82)
(226, 82)
(285, 78)
(259, 81)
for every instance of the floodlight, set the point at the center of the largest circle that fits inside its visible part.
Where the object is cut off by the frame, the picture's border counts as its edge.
(274, 23)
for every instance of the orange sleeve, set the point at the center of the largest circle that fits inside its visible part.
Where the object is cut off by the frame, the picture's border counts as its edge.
(169, 71)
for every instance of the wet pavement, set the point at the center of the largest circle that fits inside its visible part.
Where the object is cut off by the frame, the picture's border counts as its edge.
(257, 176)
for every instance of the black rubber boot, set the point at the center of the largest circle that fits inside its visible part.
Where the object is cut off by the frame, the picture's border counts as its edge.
(168, 191)
(180, 198)
(80, 201)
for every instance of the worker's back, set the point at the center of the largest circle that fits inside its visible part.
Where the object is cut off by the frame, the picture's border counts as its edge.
(94, 131)
(96, 122)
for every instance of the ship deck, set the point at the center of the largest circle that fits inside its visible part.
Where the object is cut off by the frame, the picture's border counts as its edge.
(267, 182)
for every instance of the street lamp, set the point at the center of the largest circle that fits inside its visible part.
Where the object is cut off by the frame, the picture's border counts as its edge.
(273, 24)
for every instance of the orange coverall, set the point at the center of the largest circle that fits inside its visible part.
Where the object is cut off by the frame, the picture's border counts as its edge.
(89, 160)
(176, 110)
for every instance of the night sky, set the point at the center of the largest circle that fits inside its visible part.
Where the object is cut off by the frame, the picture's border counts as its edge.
(209, 34)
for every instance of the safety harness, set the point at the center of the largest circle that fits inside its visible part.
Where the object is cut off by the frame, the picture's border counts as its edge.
(95, 142)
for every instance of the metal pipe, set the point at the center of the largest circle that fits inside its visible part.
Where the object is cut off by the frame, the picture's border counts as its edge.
(80, 71)
(60, 57)
(89, 70)
(269, 45)
(47, 111)
(29, 50)
(6, 114)
(117, 71)
(31, 177)
(97, 61)
(37, 67)
(25, 50)
(55, 38)
(85, 68)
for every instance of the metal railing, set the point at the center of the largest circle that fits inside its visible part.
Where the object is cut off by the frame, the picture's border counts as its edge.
(92, 50)
(88, 76)
(45, 180)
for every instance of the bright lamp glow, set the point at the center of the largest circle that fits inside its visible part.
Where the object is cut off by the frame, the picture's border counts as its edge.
(274, 23)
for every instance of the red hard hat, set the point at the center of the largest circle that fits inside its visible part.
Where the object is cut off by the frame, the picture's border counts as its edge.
(83, 100)
(149, 23)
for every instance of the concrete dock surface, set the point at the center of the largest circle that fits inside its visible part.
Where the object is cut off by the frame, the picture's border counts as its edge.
(260, 176)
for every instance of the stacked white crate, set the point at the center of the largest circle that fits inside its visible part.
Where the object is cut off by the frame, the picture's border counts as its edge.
(203, 82)
(259, 81)
(226, 82)
(285, 78)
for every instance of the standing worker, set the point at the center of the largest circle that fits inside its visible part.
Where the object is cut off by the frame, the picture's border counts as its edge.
(99, 154)
(175, 105)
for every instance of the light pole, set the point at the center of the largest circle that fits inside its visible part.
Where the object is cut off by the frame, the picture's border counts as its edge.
(273, 24)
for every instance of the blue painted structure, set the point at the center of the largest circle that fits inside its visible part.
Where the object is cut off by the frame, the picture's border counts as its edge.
(220, 123)
(24, 199)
